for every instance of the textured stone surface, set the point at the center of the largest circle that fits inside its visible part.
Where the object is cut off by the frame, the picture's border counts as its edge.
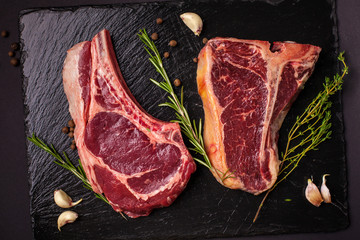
(205, 208)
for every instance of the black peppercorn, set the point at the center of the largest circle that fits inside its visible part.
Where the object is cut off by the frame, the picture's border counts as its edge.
(4, 34)
(71, 123)
(11, 53)
(172, 43)
(15, 46)
(71, 134)
(65, 130)
(14, 61)
(154, 36)
(159, 21)
(177, 82)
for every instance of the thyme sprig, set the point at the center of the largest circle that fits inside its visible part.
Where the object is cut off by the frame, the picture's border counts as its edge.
(66, 163)
(189, 128)
(310, 129)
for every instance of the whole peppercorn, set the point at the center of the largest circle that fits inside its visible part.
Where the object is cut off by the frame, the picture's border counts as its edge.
(4, 34)
(73, 146)
(14, 61)
(172, 43)
(159, 21)
(205, 40)
(11, 53)
(65, 130)
(14, 46)
(71, 123)
(177, 82)
(195, 60)
(72, 129)
(154, 36)
(166, 54)
(71, 134)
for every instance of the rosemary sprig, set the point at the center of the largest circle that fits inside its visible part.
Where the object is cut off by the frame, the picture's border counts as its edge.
(309, 130)
(66, 163)
(189, 128)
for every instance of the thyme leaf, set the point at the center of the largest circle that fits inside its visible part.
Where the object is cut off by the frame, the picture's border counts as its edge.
(310, 129)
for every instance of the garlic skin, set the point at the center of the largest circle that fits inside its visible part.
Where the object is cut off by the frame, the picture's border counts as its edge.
(312, 194)
(66, 217)
(63, 200)
(192, 21)
(325, 192)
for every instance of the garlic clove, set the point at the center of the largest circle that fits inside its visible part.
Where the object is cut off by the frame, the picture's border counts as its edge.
(192, 21)
(63, 200)
(325, 192)
(66, 217)
(312, 194)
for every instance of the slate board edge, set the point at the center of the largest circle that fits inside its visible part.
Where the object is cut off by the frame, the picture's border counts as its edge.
(26, 112)
(341, 112)
(144, 2)
(74, 8)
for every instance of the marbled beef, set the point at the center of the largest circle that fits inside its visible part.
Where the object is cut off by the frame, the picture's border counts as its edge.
(138, 162)
(247, 88)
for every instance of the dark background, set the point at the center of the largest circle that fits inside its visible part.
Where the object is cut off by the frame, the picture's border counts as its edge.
(14, 203)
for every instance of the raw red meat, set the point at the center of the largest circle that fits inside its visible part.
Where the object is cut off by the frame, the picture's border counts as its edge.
(138, 162)
(247, 90)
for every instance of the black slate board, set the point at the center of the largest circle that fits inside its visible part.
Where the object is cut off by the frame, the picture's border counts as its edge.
(205, 208)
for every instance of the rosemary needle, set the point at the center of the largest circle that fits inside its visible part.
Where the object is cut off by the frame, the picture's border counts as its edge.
(310, 129)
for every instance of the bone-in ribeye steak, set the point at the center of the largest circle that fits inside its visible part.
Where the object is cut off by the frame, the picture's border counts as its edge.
(138, 162)
(247, 90)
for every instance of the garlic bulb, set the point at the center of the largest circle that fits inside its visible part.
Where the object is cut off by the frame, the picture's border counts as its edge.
(63, 200)
(192, 21)
(312, 194)
(66, 217)
(325, 190)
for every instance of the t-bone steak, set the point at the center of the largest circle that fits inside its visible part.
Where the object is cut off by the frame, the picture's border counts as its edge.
(247, 87)
(138, 162)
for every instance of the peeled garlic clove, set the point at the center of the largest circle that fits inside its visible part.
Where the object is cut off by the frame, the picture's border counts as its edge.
(312, 194)
(63, 200)
(66, 217)
(192, 21)
(325, 190)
